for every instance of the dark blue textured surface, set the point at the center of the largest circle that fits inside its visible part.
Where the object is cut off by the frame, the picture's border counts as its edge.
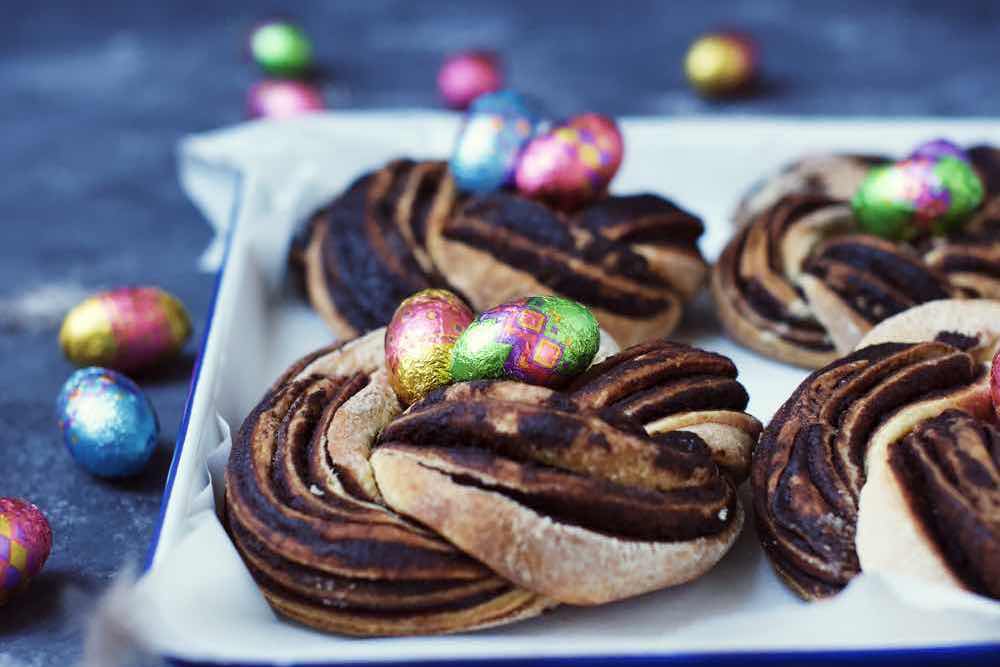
(95, 98)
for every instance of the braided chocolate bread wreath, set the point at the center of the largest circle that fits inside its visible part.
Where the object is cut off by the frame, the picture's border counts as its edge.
(799, 282)
(889, 460)
(489, 501)
(633, 260)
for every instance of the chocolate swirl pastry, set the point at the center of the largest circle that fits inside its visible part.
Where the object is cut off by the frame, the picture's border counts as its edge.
(486, 502)
(887, 460)
(832, 176)
(800, 283)
(634, 260)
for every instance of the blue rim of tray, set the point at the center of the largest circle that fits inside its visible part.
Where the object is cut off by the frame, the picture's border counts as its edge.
(182, 430)
(945, 656)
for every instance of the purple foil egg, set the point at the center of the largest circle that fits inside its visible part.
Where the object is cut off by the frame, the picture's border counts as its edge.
(939, 148)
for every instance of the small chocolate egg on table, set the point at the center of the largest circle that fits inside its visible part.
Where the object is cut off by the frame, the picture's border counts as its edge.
(25, 543)
(107, 422)
(721, 63)
(128, 329)
(495, 130)
(281, 48)
(466, 75)
(541, 340)
(573, 163)
(419, 342)
(278, 98)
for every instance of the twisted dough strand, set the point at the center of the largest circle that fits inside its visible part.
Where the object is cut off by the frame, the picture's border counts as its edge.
(824, 490)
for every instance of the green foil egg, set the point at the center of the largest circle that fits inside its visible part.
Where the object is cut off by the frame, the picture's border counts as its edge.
(281, 48)
(917, 196)
(541, 340)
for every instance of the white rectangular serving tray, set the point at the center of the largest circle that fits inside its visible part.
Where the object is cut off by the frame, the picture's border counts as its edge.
(255, 183)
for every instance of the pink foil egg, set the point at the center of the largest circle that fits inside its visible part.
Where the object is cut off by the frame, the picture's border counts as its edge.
(465, 76)
(25, 543)
(283, 99)
(572, 163)
(128, 329)
(419, 340)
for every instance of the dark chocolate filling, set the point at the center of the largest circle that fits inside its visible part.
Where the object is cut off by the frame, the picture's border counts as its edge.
(624, 512)
(808, 467)
(955, 496)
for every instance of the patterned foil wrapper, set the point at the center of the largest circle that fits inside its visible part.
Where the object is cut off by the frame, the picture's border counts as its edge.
(916, 197)
(107, 422)
(419, 342)
(127, 329)
(541, 340)
(572, 163)
(496, 128)
(25, 543)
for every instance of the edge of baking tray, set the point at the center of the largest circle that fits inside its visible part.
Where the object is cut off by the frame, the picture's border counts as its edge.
(945, 656)
(182, 430)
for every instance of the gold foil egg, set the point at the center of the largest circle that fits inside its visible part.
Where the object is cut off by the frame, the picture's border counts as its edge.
(721, 63)
(128, 329)
(419, 341)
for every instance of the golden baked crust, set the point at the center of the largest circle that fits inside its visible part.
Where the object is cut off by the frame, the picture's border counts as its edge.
(971, 325)
(633, 260)
(490, 501)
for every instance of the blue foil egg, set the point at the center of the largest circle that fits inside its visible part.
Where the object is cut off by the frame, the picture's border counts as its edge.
(107, 422)
(496, 128)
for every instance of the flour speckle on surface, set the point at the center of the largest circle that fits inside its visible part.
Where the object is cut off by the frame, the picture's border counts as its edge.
(40, 307)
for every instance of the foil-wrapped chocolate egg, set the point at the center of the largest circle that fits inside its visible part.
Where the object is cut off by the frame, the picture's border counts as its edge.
(466, 75)
(939, 148)
(25, 543)
(541, 340)
(128, 329)
(277, 98)
(916, 197)
(419, 342)
(721, 63)
(495, 130)
(573, 162)
(107, 422)
(281, 48)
